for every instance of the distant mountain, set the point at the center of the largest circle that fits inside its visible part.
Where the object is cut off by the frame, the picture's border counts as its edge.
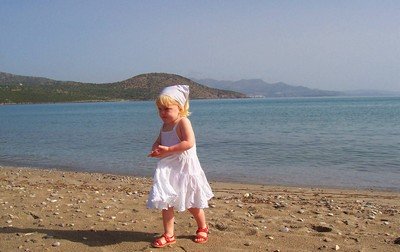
(260, 88)
(26, 89)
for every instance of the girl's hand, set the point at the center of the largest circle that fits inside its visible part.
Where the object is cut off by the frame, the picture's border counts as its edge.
(153, 153)
(159, 152)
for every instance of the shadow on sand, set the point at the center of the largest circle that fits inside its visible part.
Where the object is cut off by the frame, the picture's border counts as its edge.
(91, 238)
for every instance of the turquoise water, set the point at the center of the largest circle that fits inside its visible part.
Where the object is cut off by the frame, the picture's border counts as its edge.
(333, 142)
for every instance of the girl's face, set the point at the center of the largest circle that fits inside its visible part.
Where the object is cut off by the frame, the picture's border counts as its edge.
(169, 114)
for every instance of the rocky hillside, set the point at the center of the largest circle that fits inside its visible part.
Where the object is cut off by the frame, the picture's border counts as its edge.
(25, 89)
(148, 86)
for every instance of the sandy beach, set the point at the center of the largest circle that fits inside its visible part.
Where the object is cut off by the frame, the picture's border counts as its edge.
(51, 210)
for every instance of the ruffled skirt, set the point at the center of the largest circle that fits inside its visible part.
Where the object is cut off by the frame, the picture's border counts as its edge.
(179, 182)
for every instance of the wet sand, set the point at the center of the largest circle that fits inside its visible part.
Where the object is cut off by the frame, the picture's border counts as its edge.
(50, 210)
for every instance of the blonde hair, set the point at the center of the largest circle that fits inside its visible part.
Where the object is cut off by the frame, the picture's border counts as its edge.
(165, 101)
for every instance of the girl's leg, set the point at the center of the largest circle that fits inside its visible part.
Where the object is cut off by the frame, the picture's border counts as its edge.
(168, 221)
(200, 217)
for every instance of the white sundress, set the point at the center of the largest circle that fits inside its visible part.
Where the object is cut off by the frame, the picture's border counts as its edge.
(179, 181)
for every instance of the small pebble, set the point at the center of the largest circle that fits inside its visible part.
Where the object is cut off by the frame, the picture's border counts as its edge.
(221, 226)
(247, 195)
(56, 244)
(285, 229)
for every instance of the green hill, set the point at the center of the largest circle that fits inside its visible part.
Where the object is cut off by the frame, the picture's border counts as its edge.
(26, 89)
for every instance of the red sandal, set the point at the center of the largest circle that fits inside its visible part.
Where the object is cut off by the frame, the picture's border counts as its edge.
(201, 238)
(168, 240)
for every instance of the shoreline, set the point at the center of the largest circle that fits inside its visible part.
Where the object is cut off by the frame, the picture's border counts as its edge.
(47, 209)
(326, 187)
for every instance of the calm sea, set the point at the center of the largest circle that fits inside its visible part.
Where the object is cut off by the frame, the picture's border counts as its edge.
(332, 142)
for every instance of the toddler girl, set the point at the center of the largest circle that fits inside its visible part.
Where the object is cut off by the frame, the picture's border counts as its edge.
(179, 180)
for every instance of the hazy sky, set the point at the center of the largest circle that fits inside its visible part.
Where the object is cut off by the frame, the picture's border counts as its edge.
(334, 45)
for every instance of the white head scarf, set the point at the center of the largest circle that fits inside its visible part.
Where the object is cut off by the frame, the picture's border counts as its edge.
(179, 93)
